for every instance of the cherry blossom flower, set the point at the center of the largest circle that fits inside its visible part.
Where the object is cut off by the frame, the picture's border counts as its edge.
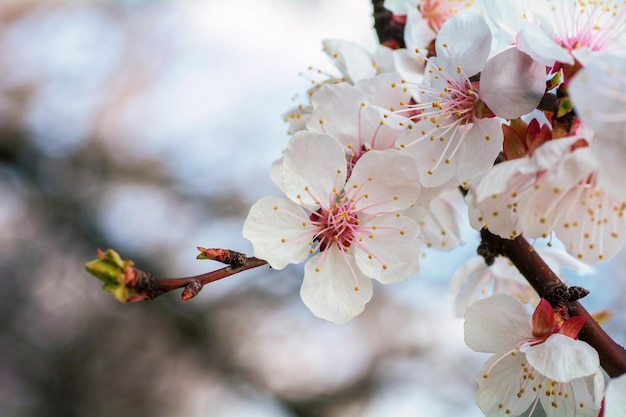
(476, 280)
(615, 398)
(424, 18)
(352, 227)
(345, 113)
(456, 134)
(557, 190)
(353, 63)
(554, 31)
(537, 360)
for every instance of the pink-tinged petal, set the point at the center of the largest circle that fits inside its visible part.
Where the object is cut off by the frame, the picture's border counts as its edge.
(536, 43)
(336, 111)
(562, 359)
(512, 83)
(615, 401)
(313, 165)
(543, 320)
(276, 227)
(465, 41)
(497, 324)
(506, 386)
(481, 145)
(388, 249)
(333, 287)
(383, 181)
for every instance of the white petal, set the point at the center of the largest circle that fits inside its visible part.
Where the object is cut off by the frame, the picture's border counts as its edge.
(497, 324)
(596, 230)
(506, 388)
(615, 401)
(552, 152)
(275, 228)
(410, 65)
(417, 31)
(612, 169)
(512, 83)
(536, 43)
(393, 246)
(562, 358)
(336, 111)
(352, 60)
(469, 284)
(597, 91)
(315, 162)
(333, 287)
(388, 178)
(386, 91)
(439, 224)
(498, 179)
(481, 145)
(379, 129)
(430, 155)
(570, 399)
(276, 174)
(468, 41)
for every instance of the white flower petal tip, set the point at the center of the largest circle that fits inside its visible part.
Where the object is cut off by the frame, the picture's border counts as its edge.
(333, 292)
(563, 359)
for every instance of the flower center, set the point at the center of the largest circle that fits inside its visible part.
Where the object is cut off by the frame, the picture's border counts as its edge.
(436, 12)
(335, 226)
(596, 25)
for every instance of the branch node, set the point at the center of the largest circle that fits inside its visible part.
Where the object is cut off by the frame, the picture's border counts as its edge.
(191, 290)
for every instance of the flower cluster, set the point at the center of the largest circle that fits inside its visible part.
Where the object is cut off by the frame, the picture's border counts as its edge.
(520, 105)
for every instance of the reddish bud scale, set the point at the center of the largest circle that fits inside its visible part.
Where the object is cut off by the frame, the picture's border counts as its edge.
(225, 256)
(543, 320)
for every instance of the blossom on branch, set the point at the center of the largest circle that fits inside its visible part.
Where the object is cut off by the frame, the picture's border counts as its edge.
(352, 226)
(457, 134)
(537, 360)
(553, 32)
(556, 189)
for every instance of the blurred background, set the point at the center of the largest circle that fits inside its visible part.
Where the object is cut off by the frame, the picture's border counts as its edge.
(150, 127)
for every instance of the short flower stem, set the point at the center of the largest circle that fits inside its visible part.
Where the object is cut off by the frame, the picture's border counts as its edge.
(541, 278)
